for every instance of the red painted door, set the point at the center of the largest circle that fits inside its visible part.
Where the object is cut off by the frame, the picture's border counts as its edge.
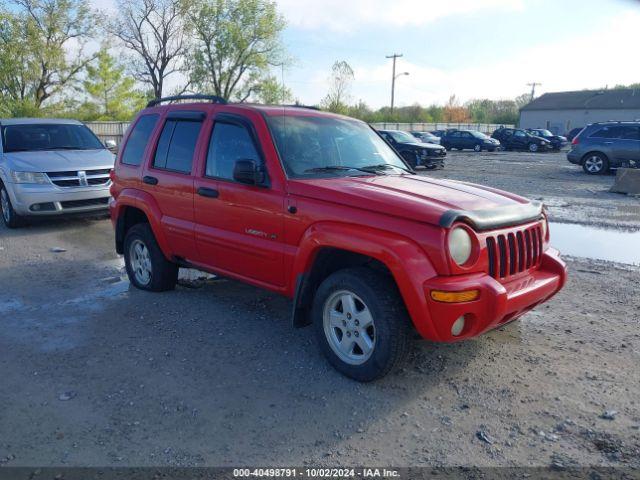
(239, 227)
(169, 179)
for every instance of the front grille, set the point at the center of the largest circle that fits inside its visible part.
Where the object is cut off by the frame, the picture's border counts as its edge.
(85, 203)
(514, 252)
(82, 178)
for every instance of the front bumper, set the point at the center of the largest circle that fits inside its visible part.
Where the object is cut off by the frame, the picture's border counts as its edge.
(43, 200)
(497, 303)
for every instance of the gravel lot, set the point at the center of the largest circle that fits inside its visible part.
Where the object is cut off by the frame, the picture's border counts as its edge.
(95, 373)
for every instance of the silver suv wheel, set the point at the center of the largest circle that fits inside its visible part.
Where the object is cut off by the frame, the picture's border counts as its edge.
(594, 164)
(349, 327)
(140, 262)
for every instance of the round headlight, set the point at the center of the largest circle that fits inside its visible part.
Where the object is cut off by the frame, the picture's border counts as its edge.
(460, 245)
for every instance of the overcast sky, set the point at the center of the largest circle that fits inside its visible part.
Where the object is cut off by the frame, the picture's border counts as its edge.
(471, 48)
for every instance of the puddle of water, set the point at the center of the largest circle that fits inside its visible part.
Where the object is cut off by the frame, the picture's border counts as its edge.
(596, 243)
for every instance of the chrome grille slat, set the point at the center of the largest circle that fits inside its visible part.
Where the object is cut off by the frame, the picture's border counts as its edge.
(70, 179)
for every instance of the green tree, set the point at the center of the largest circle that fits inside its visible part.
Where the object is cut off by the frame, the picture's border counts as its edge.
(270, 91)
(338, 97)
(113, 94)
(234, 42)
(42, 50)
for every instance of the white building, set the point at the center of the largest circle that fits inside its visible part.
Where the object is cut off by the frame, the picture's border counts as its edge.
(561, 112)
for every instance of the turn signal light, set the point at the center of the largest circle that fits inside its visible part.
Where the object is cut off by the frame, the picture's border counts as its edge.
(455, 297)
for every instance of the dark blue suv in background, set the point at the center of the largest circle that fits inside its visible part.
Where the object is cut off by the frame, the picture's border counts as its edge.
(605, 145)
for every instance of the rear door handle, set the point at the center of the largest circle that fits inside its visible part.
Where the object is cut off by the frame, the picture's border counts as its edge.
(208, 192)
(608, 143)
(150, 180)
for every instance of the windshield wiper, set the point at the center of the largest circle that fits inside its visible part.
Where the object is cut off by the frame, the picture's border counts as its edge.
(331, 168)
(385, 166)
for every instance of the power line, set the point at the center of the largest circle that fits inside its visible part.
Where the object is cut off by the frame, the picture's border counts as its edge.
(393, 77)
(533, 86)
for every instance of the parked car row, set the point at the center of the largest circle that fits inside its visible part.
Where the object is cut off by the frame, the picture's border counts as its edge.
(533, 140)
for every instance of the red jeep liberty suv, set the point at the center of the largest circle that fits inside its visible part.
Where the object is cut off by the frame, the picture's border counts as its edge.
(318, 207)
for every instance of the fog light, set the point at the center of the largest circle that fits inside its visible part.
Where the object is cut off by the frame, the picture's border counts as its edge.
(457, 327)
(455, 297)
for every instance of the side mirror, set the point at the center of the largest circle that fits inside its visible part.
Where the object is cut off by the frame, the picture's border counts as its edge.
(111, 144)
(247, 171)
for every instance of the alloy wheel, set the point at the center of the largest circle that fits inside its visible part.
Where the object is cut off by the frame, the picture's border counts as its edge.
(533, 147)
(349, 327)
(594, 164)
(140, 262)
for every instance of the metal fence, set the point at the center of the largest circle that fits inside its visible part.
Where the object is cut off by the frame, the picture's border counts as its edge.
(428, 127)
(115, 130)
(109, 130)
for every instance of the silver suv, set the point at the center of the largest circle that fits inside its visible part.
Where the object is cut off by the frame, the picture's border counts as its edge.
(51, 167)
(605, 145)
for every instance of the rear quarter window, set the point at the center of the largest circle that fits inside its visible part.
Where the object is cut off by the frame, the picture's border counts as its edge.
(138, 139)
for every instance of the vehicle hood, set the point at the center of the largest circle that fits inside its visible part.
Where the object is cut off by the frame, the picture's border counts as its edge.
(412, 197)
(59, 160)
(423, 146)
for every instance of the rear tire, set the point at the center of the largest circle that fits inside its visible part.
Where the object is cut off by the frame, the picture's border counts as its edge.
(533, 147)
(9, 216)
(595, 164)
(477, 148)
(146, 265)
(359, 306)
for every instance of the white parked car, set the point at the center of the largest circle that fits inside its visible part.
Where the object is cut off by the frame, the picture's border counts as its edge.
(51, 167)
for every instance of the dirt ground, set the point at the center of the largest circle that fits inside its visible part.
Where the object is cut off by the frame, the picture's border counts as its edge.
(95, 373)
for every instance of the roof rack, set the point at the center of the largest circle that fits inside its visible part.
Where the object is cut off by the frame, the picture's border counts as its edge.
(211, 98)
(310, 107)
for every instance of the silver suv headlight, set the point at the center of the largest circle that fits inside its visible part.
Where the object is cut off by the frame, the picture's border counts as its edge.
(460, 245)
(30, 177)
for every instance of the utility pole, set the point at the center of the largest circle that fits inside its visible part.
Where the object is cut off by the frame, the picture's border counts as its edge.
(393, 78)
(533, 86)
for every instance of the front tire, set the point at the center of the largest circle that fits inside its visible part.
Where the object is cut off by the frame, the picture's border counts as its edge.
(477, 148)
(147, 267)
(533, 147)
(361, 323)
(9, 216)
(595, 164)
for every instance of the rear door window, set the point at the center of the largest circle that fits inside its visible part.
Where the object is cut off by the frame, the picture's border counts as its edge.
(630, 133)
(138, 139)
(177, 145)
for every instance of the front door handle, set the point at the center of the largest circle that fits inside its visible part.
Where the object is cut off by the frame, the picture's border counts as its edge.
(150, 180)
(208, 192)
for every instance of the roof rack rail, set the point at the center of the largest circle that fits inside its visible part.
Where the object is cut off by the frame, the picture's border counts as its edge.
(310, 107)
(211, 98)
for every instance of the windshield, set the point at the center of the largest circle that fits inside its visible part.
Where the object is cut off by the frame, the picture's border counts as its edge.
(38, 137)
(402, 137)
(543, 133)
(479, 135)
(320, 146)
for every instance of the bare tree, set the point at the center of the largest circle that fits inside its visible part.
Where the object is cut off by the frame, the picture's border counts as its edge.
(153, 30)
(340, 85)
